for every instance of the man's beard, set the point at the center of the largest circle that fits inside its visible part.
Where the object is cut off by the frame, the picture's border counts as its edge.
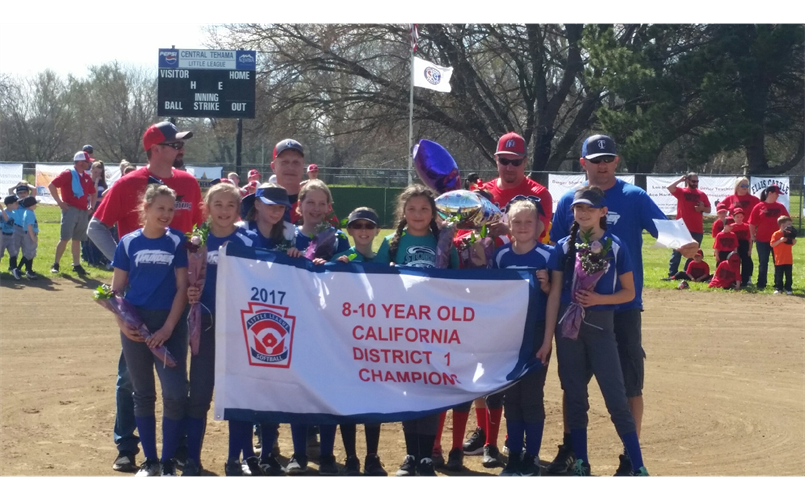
(178, 163)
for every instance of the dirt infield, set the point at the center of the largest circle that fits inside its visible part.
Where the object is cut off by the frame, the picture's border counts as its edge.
(724, 393)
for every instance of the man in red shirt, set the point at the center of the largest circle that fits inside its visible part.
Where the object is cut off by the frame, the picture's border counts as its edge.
(691, 204)
(164, 147)
(77, 195)
(511, 160)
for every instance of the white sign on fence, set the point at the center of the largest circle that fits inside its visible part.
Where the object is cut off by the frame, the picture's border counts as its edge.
(44, 176)
(716, 189)
(10, 175)
(559, 184)
(758, 184)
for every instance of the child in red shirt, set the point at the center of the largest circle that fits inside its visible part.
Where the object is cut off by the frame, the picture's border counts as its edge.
(718, 224)
(782, 242)
(698, 270)
(725, 241)
(741, 230)
(728, 273)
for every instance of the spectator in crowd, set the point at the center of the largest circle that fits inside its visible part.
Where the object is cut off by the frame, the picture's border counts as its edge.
(313, 171)
(254, 175)
(234, 177)
(473, 182)
(691, 204)
(124, 165)
(98, 174)
(726, 241)
(741, 197)
(728, 273)
(762, 224)
(782, 241)
(89, 252)
(89, 150)
(20, 189)
(698, 270)
(741, 230)
(721, 215)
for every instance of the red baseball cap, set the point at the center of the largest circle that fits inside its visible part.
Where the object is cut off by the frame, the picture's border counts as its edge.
(163, 132)
(254, 172)
(511, 143)
(721, 206)
(313, 168)
(738, 210)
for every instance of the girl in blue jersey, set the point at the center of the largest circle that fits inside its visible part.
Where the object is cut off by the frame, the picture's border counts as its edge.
(595, 349)
(523, 403)
(265, 217)
(153, 261)
(413, 243)
(222, 204)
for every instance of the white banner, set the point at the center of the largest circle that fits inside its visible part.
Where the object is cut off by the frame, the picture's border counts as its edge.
(559, 184)
(758, 184)
(716, 189)
(44, 176)
(10, 175)
(431, 76)
(295, 342)
(112, 174)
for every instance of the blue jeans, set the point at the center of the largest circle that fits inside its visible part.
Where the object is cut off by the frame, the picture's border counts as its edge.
(764, 251)
(676, 257)
(126, 440)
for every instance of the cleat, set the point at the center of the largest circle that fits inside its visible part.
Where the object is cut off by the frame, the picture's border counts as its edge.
(563, 463)
(491, 457)
(408, 467)
(455, 460)
(475, 444)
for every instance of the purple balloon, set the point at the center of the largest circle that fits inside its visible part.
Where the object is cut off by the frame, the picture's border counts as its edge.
(435, 166)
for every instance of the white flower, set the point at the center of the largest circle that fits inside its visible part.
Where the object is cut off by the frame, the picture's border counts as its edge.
(596, 247)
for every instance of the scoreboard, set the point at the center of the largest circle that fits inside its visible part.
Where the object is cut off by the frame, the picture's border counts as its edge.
(206, 83)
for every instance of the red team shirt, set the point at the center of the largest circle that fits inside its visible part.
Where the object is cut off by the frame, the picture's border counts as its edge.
(697, 269)
(726, 276)
(64, 181)
(746, 201)
(725, 242)
(526, 188)
(121, 203)
(741, 231)
(764, 218)
(685, 208)
(718, 225)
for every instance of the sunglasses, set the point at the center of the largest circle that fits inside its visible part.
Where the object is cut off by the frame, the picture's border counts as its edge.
(368, 225)
(743, 185)
(506, 162)
(605, 159)
(175, 145)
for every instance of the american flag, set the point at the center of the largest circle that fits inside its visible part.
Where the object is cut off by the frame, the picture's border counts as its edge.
(414, 37)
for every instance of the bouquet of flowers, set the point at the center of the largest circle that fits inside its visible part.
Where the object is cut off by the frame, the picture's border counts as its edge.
(592, 262)
(443, 244)
(476, 249)
(196, 245)
(123, 309)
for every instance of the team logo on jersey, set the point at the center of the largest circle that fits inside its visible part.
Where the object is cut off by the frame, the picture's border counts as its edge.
(268, 330)
(182, 205)
(433, 75)
(612, 217)
(158, 257)
(419, 256)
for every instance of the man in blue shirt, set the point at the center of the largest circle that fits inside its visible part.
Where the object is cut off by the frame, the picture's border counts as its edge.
(630, 212)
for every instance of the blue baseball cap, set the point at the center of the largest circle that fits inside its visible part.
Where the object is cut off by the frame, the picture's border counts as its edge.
(588, 196)
(273, 196)
(598, 145)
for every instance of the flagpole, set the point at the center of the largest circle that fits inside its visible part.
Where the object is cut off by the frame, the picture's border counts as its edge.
(411, 122)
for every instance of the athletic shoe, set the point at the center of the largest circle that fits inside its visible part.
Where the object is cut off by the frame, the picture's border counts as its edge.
(168, 468)
(54, 268)
(180, 457)
(251, 467)
(125, 463)
(789, 292)
(514, 466)
(425, 467)
(352, 466)
(297, 466)
(475, 444)
(491, 457)
(373, 467)
(641, 472)
(455, 460)
(270, 466)
(191, 468)
(581, 469)
(667, 278)
(529, 465)
(31, 275)
(233, 468)
(327, 466)
(437, 457)
(408, 467)
(79, 270)
(563, 462)
(777, 292)
(149, 468)
(625, 466)
(16, 273)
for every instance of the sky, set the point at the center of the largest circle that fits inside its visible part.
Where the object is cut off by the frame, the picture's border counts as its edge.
(135, 44)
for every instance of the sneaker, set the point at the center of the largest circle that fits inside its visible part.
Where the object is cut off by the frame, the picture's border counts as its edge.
(408, 467)
(191, 468)
(513, 467)
(16, 273)
(667, 278)
(425, 467)
(777, 292)
(352, 466)
(180, 457)
(79, 270)
(31, 275)
(641, 472)
(233, 468)
(125, 463)
(297, 466)
(54, 268)
(581, 469)
(625, 466)
(168, 468)
(683, 285)
(149, 468)
(327, 466)
(789, 292)
(475, 444)
(437, 457)
(529, 465)
(562, 464)
(251, 467)
(373, 467)
(270, 466)
(455, 460)
(491, 457)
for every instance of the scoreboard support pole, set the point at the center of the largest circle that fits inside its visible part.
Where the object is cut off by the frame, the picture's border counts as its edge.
(238, 143)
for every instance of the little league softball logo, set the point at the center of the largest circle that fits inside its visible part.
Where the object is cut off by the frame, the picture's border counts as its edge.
(268, 330)
(433, 75)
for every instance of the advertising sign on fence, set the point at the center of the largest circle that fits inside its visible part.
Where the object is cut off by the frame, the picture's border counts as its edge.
(559, 184)
(758, 184)
(10, 175)
(44, 176)
(716, 189)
